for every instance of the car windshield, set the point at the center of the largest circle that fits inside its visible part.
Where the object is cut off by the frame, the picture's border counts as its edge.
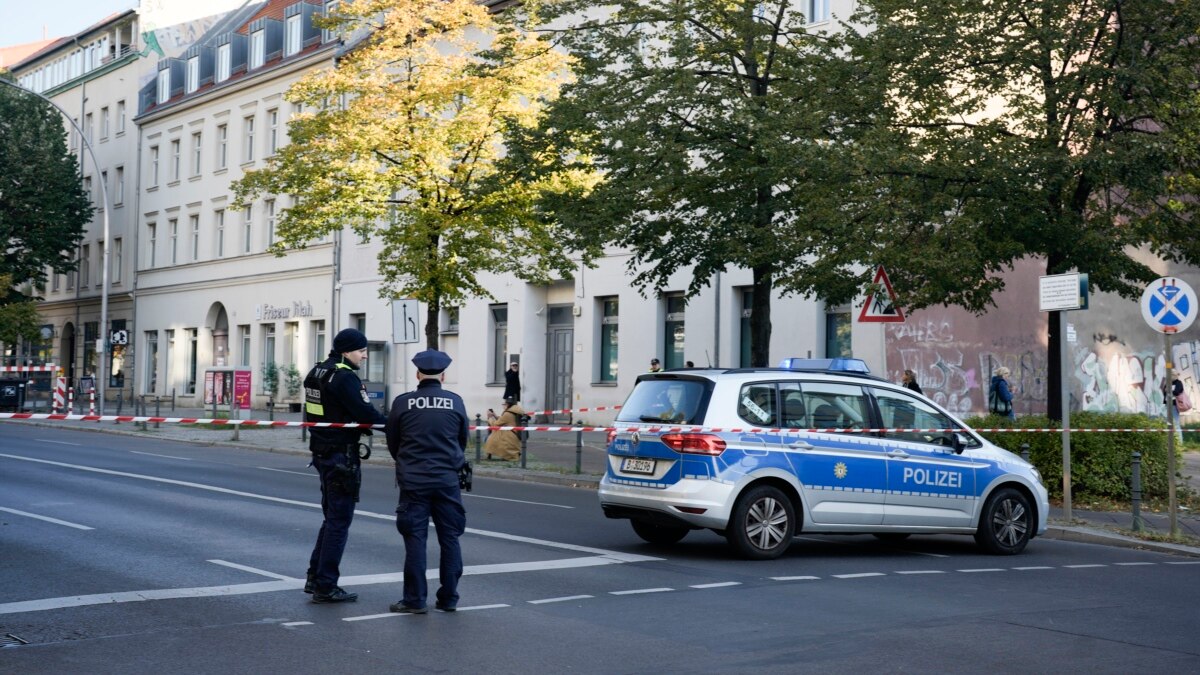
(673, 401)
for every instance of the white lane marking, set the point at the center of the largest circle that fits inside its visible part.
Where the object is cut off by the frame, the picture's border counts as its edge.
(795, 578)
(48, 519)
(289, 624)
(614, 556)
(298, 473)
(47, 440)
(368, 617)
(1182, 562)
(565, 598)
(517, 501)
(1079, 567)
(1135, 563)
(253, 570)
(720, 584)
(983, 569)
(920, 572)
(638, 591)
(471, 609)
(155, 454)
(1033, 567)
(859, 575)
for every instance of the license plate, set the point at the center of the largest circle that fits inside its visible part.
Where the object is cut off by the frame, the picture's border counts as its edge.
(636, 465)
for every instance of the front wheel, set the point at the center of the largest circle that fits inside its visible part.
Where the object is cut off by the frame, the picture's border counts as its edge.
(1006, 523)
(658, 534)
(762, 524)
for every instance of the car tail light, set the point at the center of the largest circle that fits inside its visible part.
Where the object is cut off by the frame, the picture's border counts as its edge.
(694, 444)
(612, 436)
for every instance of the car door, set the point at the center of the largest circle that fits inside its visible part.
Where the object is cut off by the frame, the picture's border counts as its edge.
(843, 475)
(929, 483)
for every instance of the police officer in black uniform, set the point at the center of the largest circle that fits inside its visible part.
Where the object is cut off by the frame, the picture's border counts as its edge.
(333, 393)
(427, 433)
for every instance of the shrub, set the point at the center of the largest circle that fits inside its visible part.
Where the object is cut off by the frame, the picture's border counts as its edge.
(1101, 462)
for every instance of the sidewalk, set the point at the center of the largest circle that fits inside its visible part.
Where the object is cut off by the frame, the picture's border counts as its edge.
(552, 458)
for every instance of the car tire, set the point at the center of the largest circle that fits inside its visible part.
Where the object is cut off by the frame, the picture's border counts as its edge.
(762, 524)
(1006, 523)
(892, 536)
(658, 534)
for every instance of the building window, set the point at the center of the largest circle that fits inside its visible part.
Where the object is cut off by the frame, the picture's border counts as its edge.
(223, 62)
(173, 233)
(119, 188)
(673, 333)
(292, 35)
(272, 131)
(153, 166)
(104, 122)
(326, 34)
(818, 10)
(270, 208)
(152, 232)
(609, 315)
(87, 128)
(169, 339)
(117, 260)
(499, 342)
(248, 138)
(837, 333)
(219, 226)
(116, 364)
(193, 349)
(175, 160)
(196, 145)
(359, 322)
(55, 280)
(318, 341)
(247, 227)
(85, 267)
(268, 355)
(164, 85)
(103, 190)
(744, 328)
(87, 188)
(120, 117)
(244, 339)
(151, 364)
(258, 48)
(194, 222)
(193, 74)
(222, 145)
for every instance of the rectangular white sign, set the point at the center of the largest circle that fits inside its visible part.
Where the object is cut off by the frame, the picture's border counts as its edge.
(406, 322)
(1059, 292)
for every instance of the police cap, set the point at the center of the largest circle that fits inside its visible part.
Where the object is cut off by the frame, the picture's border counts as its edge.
(431, 361)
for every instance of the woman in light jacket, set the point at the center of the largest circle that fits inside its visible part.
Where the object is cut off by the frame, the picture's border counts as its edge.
(504, 444)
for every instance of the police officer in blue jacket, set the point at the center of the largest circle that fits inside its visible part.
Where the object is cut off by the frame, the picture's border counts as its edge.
(427, 435)
(333, 393)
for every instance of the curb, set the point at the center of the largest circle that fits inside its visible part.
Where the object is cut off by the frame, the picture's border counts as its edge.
(1091, 535)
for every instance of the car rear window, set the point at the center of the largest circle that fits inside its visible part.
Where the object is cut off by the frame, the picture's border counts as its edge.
(675, 401)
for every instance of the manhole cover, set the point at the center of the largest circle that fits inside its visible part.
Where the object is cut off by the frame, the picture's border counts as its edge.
(10, 640)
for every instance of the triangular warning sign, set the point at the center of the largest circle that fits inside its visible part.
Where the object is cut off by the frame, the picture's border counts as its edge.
(880, 309)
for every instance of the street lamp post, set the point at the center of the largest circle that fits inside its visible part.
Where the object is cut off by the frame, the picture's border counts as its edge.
(102, 338)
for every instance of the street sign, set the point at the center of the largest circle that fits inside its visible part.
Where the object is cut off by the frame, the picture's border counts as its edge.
(1169, 305)
(119, 337)
(406, 322)
(879, 309)
(1062, 292)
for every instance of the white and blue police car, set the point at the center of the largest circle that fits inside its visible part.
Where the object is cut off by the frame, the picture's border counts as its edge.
(760, 455)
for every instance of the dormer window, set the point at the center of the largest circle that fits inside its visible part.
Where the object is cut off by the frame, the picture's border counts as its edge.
(193, 74)
(292, 38)
(164, 85)
(326, 34)
(224, 62)
(258, 48)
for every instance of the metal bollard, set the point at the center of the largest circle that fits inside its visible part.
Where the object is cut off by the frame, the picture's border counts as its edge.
(578, 452)
(157, 410)
(478, 437)
(233, 412)
(524, 448)
(120, 395)
(1137, 492)
(271, 409)
(1025, 451)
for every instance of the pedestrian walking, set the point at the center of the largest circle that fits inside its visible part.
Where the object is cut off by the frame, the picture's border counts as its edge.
(334, 393)
(1000, 395)
(427, 433)
(512, 381)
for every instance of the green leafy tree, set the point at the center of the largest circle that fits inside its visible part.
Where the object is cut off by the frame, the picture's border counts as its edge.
(990, 131)
(409, 156)
(707, 121)
(43, 208)
(18, 319)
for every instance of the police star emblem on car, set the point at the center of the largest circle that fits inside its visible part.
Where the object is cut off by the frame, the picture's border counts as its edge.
(815, 446)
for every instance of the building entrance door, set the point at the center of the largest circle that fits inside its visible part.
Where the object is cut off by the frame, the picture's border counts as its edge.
(560, 359)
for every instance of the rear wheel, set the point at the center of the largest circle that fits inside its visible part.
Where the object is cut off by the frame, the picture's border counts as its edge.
(658, 534)
(1006, 523)
(762, 524)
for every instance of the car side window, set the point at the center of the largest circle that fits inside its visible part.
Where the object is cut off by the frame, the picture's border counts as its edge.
(836, 406)
(792, 412)
(902, 411)
(757, 404)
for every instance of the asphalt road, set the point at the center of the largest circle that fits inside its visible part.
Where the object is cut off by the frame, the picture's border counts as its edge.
(122, 554)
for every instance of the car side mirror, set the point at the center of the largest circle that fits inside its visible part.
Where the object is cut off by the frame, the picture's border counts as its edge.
(960, 443)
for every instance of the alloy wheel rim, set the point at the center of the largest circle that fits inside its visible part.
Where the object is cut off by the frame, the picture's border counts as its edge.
(766, 523)
(1008, 522)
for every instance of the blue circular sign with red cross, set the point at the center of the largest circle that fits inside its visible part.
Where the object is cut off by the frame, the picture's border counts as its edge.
(1169, 305)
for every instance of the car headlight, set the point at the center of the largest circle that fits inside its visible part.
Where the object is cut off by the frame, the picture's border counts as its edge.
(1037, 474)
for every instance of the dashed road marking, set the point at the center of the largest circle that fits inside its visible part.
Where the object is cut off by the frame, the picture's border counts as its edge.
(860, 575)
(1033, 567)
(719, 584)
(1079, 567)
(921, 572)
(46, 440)
(637, 591)
(983, 569)
(1184, 562)
(565, 598)
(48, 519)
(1135, 563)
(290, 624)
(804, 578)
(253, 570)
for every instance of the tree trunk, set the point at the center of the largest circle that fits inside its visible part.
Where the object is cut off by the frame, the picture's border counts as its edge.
(760, 316)
(432, 312)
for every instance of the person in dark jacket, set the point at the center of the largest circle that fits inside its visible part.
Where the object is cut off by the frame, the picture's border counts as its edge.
(1176, 389)
(910, 381)
(1000, 396)
(333, 393)
(512, 382)
(427, 432)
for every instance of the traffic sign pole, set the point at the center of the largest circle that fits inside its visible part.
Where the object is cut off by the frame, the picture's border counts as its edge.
(1172, 506)
(1065, 391)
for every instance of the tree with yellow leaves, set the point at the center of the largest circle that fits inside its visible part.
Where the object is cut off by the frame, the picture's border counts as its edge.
(400, 141)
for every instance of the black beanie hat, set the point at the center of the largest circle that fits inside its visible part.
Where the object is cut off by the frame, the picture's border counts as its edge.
(348, 340)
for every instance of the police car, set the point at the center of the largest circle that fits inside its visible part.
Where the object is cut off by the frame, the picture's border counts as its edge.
(760, 455)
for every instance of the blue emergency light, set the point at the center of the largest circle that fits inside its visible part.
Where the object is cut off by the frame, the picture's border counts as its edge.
(844, 365)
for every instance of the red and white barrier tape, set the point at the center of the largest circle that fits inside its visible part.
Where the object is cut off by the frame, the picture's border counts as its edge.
(49, 368)
(565, 411)
(660, 429)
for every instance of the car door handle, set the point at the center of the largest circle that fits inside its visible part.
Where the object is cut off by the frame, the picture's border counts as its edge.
(801, 445)
(897, 453)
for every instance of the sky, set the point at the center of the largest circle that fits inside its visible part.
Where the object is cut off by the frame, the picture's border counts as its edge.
(21, 21)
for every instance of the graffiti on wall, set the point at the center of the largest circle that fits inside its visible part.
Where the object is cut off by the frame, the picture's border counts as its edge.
(1131, 381)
